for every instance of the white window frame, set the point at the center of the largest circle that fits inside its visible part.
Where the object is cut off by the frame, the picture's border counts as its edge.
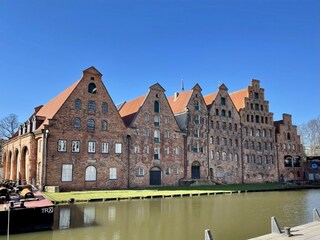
(104, 147)
(75, 146)
(139, 172)
(112, 173)
(66, 173)
(91, 147)
(118, 148)
(91, 174)
(62, 145)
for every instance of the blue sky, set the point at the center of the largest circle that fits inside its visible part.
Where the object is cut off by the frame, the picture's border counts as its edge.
(45, 46)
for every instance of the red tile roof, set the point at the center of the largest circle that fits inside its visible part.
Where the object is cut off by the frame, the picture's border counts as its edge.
(179, 104)
(238, 98)
(129, 109)
(49, 110)
(209, 98)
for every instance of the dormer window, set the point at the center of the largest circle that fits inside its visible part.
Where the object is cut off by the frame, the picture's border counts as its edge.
(92, 88)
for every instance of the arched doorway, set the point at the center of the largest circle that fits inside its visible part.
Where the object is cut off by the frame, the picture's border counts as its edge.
(155, 176)
(23, 165)
(195, 170)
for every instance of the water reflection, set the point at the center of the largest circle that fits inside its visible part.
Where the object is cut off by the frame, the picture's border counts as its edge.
(236, 216)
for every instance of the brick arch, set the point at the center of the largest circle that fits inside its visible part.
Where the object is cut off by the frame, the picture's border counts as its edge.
(8, 167)
(14, 165)
(23, 169)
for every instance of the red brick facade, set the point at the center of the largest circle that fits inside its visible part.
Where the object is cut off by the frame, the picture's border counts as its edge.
(80, 140)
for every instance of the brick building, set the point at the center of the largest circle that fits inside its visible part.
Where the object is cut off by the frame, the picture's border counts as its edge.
(289, 150)
(81, 140)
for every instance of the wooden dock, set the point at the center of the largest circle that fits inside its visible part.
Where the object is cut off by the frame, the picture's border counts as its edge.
(310, 231)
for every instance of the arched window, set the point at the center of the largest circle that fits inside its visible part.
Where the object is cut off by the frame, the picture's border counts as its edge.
(77, 104)
(223, 113)
(104, 125)
(246, 144)
(224, 156)
(76, 123)
(236, 157)
(104, 107)
(156, 107)
(217, 155)
(156, 136)
(90, 124)
(288, 136)
(92, 106)
(91, 174)
(92, 88)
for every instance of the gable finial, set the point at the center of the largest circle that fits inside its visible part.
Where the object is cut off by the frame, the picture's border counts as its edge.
(182, 84)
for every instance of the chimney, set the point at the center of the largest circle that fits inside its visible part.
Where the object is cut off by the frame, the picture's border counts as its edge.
(176, 95)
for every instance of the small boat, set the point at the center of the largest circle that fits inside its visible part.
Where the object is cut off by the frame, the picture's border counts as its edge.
(24, 209)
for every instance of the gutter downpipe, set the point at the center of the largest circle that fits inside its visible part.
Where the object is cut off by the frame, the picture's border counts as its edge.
(128, 158)
(44, 167)
(241, 153)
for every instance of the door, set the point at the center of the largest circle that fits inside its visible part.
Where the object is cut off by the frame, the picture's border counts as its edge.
(155, 176)
(195, 170)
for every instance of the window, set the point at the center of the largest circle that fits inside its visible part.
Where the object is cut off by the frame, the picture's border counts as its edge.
(167, 171)
(146, 117)
(104, 147)
(217, 112)
(113, 173)
(223, 101)
(288, 136)
(118, 148)
(211, 124)
(230, 126)
(146, 149)
(237, 143)
(91, 106)
(66, 175)
(92, 88)
(197, 119)
(217, 141)
(251, 132)
(166, 134)
(62, 145)
(75, 146)
(256, 106)
(224, 141)
(176, 151)
(196, 133)
(156, 121)
(224, 126)
(235, 127)
(223, 113)
(156, 107)
(217, 125)
(166, 120)
(91, 147)
(136, 149)
(196, 147)
(257, 119)
(211, 140)
(156, 136)
(246, 144)
(104, 125)
(217, 155)
(156, 154)
(91, 174)
(258, 133)
(246, 159)
(229, 114)
(175, 171)
(236, 157)
(140, 172)
(256, 95)
(104, 107)
(147, 132)
(166, 151)
(76, 123)
(211, 154)
(91, 125)
(196, 106)
(77, 104)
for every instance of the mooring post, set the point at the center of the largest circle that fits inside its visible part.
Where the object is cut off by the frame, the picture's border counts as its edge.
(208, 235)
(316, 216)
(275, 226)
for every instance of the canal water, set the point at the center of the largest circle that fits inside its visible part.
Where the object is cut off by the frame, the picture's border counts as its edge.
(234, 216)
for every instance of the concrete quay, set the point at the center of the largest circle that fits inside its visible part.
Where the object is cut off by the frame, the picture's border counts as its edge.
(310, 231)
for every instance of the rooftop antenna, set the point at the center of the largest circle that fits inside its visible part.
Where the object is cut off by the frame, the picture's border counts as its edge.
(182, 84)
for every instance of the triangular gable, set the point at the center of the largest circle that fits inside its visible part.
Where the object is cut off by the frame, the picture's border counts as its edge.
(49, 110)
(92, 70)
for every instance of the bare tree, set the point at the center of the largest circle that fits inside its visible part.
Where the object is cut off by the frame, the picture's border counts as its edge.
(310, 135)
(8, 126)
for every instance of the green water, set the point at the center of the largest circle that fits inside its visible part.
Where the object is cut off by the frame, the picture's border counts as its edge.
(236, 216)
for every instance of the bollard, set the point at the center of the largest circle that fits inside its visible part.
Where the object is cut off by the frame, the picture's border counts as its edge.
(22, 203)
(207, 235)
(11, 204)
(287, 231)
